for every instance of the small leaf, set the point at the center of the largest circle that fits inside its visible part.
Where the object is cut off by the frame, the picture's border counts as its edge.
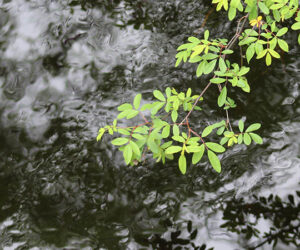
(193, 39)
(282, 31)
(283, 45)
(137, 101)
(222, 97)
(207, 131)
(152, 145)
(256, 138)
(210, 66)
(157, 107)
(247, 139)
(263, 8)
(268, 59)
(253, 127)
(206, 34)
(182, 164)
(127, 154)
(124, 107)
(157, 94)
(178, 138)
(119, 141)
(174, 115)
(241, 126)
(250, 52)
(217, 80)
(132, 114)
(175, 130)
(166, 131)
(296, 26)
(214, 161)
(198, 155)
(240, 139)
(227, 51)
(222, 65)
(215, 147)
(135, 148)
(173, 150)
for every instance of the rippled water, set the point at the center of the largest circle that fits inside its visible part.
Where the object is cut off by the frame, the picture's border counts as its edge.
(65, 66)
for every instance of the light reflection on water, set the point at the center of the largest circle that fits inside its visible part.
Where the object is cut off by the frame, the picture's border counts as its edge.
(64, 70)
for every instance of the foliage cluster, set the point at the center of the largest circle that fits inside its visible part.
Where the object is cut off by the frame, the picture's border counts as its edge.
(163, 132)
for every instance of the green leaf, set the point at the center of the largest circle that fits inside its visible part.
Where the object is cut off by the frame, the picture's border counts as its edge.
(135, 148)
(138, 136)
(123, 131)
(282, 31)
(262, 54)
(222, 65)
(207, 131)
(137, 101)
(268, 59)
(241, 126)
(247, 139)
(200, 68)
(157, 107)
(243, 71)
(174, 115)
(253, 127)
(240, 139)
(231, 13)
(157, 94)
(198, 155)
(224, 140)
(147, 106)
(217, 80)
(132, 113)
(227, 51)
(182, 164)
(152, 145)
(283, 45)
(100, 133)
(222, 97)
(214, 161)
(166, 131)
(250, 52)
(127, 154)
(173, 150)
(256, 138)
(296, 26)
(210, 66)
(124, 107)
(119, 141)
(175, 130)
(215, 147)
(178, 138)
(206, 35)
(263, 8)
(193, 39)
(274, 53)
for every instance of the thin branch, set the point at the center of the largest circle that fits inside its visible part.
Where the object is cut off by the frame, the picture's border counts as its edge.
(195, 103)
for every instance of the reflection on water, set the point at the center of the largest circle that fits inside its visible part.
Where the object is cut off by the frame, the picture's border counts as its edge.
(65, 66)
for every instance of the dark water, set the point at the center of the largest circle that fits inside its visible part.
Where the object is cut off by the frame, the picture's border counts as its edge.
(64, 68)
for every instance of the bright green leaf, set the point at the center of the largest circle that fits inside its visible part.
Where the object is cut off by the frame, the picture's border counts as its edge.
(137, 101)
(198, 155)
(182, 164)
(215, 147)
(253, 127)
(127, 154)
(214, 161)
(119, 141)
(173, 149)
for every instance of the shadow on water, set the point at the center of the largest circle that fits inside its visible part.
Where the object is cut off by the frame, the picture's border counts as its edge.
(65, 66)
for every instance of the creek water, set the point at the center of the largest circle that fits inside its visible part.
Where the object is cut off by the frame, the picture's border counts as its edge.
(66, 65)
